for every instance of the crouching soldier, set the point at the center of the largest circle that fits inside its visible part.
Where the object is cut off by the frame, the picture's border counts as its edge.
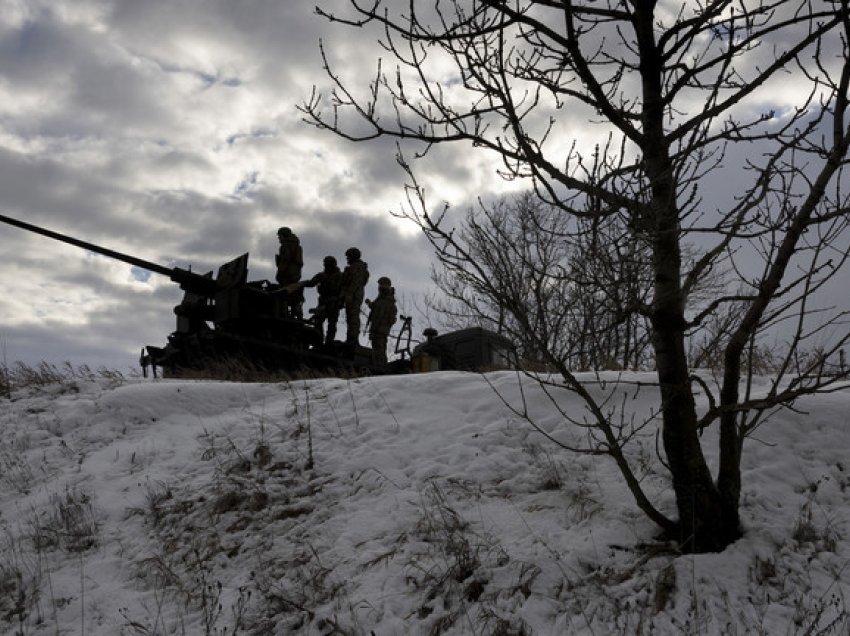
(328, 282)
(381, 319)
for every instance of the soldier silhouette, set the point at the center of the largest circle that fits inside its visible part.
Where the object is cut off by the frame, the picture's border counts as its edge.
(328, 283)
(381, 319)
(354, 279)
(289, 261)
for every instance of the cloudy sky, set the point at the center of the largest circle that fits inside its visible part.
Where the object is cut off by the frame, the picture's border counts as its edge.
(168, 129)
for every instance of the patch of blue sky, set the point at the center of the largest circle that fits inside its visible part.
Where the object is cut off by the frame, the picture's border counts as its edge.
(139, 274)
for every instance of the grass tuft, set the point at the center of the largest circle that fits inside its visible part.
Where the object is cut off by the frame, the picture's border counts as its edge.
(19, 376)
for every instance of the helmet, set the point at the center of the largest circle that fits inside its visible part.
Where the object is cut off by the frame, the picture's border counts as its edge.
(352, 252)
(329, 261)
(383, 281)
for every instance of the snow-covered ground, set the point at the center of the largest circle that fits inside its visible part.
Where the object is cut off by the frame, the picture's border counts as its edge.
(394, 505)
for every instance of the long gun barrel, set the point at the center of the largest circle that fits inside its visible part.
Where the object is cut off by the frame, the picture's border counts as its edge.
(186, 279)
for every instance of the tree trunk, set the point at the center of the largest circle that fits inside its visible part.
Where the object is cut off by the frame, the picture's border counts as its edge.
(707, 521)
(704, 525)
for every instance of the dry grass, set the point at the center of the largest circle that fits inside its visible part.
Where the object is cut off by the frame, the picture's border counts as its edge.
(19, 376)
(244, 370)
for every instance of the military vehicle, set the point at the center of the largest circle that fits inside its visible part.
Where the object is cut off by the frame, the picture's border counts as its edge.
(471, 349)
(226, 318)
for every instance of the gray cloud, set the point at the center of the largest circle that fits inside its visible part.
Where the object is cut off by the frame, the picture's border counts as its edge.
(168, 131)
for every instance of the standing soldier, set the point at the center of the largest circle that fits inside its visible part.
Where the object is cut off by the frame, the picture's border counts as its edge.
(328, 282)
(354, 280)
(381, 319)
(289, 261)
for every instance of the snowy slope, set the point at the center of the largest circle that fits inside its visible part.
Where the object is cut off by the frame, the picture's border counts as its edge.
(394, 505)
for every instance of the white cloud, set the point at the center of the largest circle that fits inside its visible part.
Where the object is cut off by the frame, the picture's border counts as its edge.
(168, 129)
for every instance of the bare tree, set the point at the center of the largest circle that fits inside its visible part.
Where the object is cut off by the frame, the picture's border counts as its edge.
(568, 287)
(678, 91)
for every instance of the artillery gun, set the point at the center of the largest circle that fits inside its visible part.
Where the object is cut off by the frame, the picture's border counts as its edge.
(227, 317)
